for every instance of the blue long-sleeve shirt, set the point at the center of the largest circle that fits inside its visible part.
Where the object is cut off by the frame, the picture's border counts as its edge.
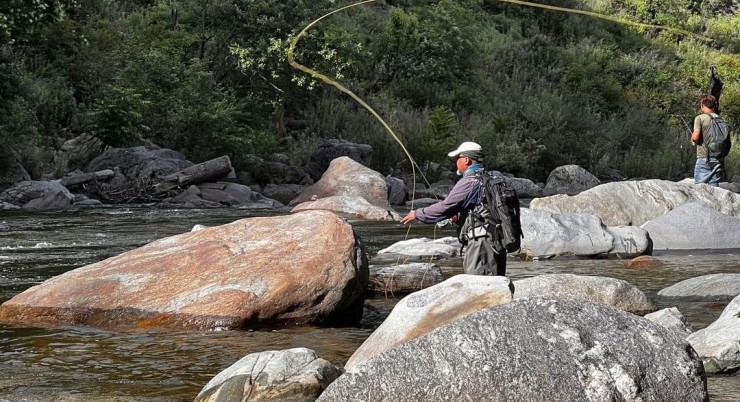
(463, 196)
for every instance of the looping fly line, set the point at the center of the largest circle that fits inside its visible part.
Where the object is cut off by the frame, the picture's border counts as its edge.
(414, 165)
(324, 78)
(340, 87)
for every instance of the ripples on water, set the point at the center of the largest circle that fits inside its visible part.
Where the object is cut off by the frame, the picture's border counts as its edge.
(87, 364)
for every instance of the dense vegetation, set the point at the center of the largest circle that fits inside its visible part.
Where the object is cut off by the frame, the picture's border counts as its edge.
(538, 88)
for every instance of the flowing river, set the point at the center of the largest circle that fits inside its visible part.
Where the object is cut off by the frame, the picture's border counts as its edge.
(88, 364)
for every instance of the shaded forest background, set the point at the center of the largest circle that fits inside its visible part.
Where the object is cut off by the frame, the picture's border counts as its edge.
(537, 88)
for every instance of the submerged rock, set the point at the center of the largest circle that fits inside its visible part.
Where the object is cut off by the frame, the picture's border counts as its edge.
(643, 261)
(714, 287)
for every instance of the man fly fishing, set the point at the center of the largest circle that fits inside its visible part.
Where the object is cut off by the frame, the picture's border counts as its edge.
(483, 230)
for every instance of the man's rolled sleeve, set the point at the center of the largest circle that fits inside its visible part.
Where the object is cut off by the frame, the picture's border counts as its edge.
(451, 205)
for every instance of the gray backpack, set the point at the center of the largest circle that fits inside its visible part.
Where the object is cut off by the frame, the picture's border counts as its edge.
(717, 139)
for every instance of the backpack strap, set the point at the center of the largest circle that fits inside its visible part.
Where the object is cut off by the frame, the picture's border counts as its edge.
(703, 139)
(479, 175)
(473, 214)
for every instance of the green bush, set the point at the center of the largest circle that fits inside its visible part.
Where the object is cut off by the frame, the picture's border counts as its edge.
(117, 118)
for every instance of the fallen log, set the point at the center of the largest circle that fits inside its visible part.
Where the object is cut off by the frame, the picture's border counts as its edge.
(403, 278)
(206, 171)
(82, 178)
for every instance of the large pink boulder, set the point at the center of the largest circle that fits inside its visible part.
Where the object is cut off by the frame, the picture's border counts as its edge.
(349, 189)
(302, 268)
(349, 178)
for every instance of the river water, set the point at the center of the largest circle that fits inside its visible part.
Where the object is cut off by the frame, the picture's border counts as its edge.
(88, 364)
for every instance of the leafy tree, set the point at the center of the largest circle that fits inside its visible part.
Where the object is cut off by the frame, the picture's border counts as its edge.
(19, 18)
(537, 88)
(20, 129)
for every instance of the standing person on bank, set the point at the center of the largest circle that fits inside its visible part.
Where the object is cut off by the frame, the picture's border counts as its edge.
(479, 256)
(707, 170)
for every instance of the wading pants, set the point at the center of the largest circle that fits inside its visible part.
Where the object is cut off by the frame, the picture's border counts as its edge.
(480, 259)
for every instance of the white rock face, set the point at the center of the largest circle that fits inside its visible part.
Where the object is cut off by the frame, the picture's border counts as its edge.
(290, 375)
(426, 310)
(532, 350)
(552, 234)
(719, 343)
(545, 235)
(672, 319)
(611, 292)
(693, 226)
(446, 247)
(636, 202)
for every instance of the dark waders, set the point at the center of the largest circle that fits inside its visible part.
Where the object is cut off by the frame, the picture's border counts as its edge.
(480, 259)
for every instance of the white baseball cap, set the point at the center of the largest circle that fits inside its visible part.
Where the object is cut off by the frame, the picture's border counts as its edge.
(468, 148)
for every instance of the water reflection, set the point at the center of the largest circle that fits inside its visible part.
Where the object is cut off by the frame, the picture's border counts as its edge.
(87, 364)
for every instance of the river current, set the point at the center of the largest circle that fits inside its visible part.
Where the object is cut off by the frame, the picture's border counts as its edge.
(89, 364)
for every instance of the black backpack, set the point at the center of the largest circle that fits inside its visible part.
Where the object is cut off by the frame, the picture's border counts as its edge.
(717, 139)
(498, 212)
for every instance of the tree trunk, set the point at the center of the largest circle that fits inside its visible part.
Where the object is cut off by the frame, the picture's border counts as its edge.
(81, 178)
(404, 278)
(206, 171)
